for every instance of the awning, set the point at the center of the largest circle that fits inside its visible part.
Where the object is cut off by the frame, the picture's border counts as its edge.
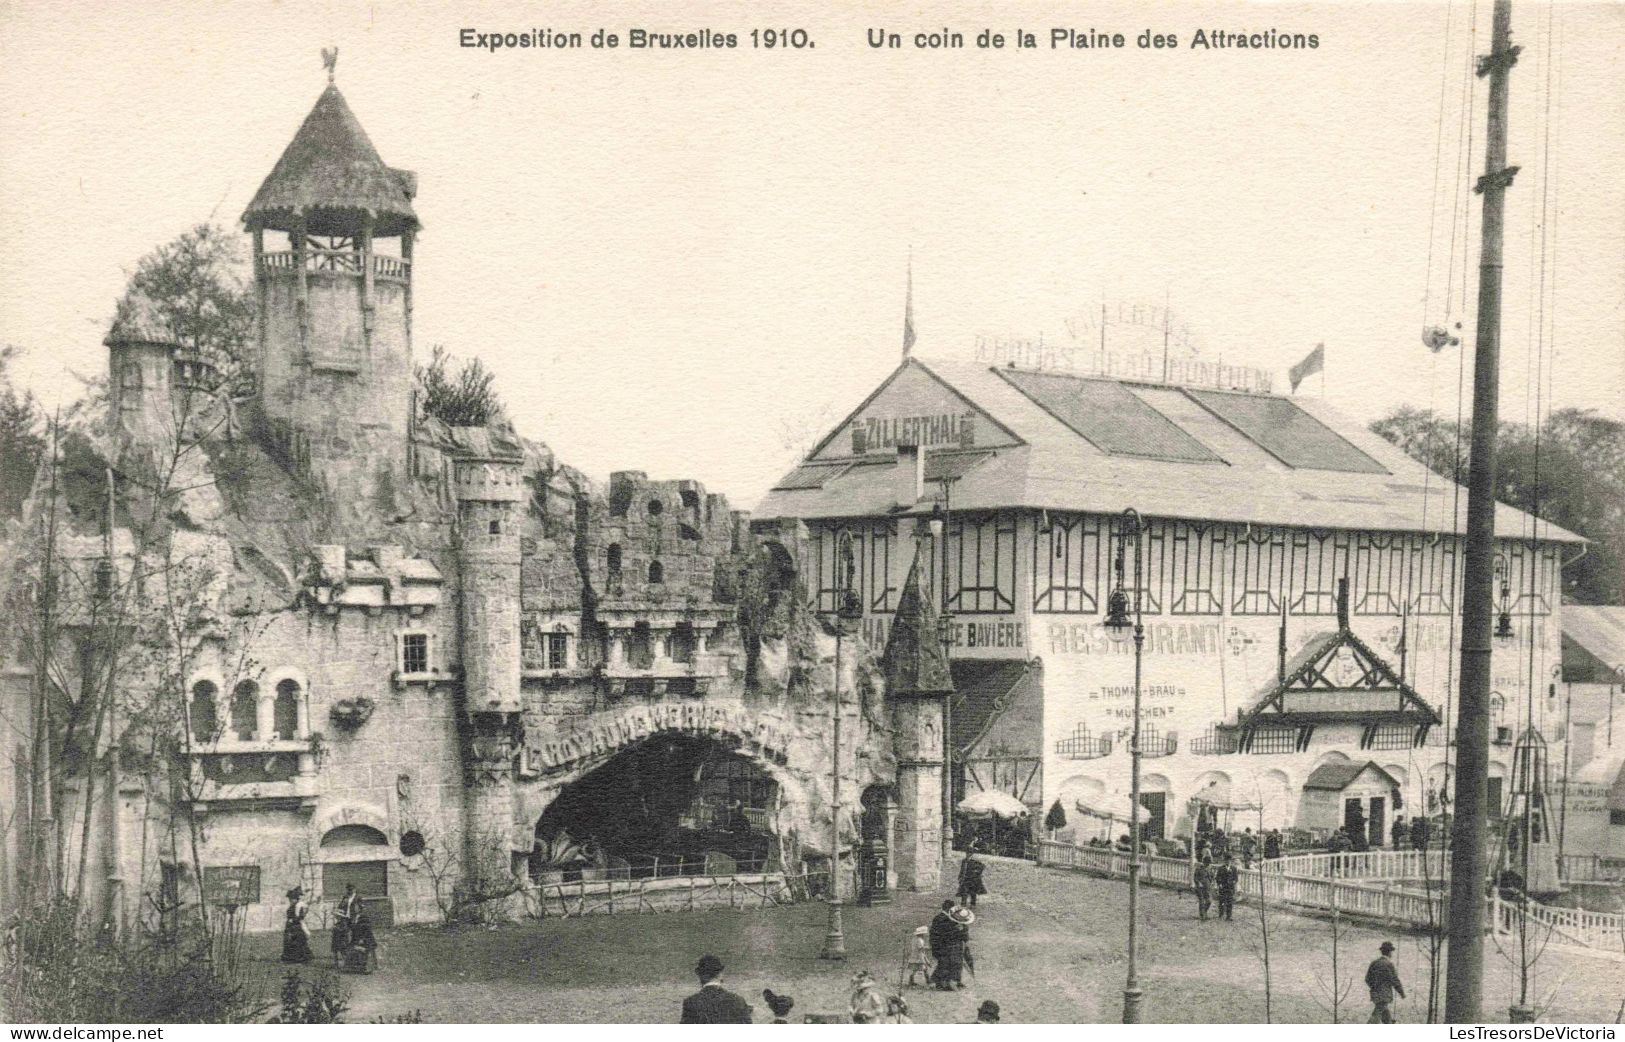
(1112, 806)
(992, 801)
(1221, 795)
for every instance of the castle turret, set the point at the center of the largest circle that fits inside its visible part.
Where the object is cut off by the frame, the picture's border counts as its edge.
(488, 485)
(140, 372)
(918, 685)
(333, 229)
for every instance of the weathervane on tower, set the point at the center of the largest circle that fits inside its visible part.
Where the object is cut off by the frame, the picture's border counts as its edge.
(330, 61)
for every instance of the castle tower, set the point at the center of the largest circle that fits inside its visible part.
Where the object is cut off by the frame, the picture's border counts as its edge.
(140, 373)
(488, 486)
(918, 686)
(333, 229)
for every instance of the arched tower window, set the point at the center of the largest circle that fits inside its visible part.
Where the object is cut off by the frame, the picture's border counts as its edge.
(613, 559)
(285, 713)
(245, 699)
(129, 382)
(657, 572)
(203, 714)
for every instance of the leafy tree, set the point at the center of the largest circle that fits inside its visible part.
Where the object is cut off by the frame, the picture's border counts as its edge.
(22, 442)
(1055, 820)
(197, 285)
(1573, 475)
(464, 398)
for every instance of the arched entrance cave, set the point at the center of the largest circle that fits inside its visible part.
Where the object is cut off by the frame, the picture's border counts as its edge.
(672, 805)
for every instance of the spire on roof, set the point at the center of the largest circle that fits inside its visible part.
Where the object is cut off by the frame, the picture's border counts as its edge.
(330, 174)
(915, 662)
(330, 61)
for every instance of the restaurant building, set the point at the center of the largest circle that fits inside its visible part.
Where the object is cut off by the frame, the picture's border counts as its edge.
(1300, 581)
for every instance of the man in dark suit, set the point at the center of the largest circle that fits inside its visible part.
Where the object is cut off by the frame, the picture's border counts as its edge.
(714, 1004)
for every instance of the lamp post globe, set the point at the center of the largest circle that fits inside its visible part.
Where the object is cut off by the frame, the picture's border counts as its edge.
(1119, 623)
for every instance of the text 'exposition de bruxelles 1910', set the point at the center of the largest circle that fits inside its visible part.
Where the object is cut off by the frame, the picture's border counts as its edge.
(885, 39)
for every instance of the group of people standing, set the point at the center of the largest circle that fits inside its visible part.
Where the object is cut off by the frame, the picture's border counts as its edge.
(1209, 880)
(354, 946)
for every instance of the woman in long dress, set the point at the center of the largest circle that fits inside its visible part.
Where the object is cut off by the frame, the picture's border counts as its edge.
(295, 935)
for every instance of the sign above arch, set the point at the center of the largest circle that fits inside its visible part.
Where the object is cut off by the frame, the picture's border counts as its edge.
(767, 736)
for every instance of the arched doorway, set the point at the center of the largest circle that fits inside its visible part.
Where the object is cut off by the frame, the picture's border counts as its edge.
(671, 805)
(358, 855)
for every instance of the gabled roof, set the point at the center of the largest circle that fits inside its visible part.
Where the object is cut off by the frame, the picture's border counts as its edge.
(1258, 459)
(1335, 777)
(983, 690)
(331, 169)
(1593, 642)
(1334, 677)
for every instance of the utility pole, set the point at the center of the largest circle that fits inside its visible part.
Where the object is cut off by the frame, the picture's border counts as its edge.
(1465, 980)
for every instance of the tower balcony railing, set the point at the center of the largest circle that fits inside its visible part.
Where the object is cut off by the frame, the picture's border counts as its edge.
(340, 262)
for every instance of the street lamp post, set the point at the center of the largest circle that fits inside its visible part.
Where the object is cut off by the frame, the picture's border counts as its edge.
(940, 517)
(1119, 627)
(848, 616)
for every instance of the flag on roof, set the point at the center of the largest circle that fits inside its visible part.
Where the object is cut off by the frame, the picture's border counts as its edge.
(1313, 362)
(908, 312)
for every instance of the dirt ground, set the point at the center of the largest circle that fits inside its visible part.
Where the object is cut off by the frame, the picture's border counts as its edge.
(1049, 947)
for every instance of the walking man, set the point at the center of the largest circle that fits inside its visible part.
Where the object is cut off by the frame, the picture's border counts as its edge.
(1202, 883)
(1225, 880)
(1383, 980)
(714, 1004)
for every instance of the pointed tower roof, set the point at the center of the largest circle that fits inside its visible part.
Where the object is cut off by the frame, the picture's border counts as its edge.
(136, 320)
(330, 173)
(915, 662)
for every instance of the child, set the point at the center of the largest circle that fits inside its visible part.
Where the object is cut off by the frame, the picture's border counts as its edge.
(919, 956)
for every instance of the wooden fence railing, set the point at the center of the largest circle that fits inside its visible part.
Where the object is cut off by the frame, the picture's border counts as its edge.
(669, 894)
(1323, 882)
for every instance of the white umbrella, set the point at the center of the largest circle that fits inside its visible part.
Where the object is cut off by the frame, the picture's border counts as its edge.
(1111, 806)
(992, 801)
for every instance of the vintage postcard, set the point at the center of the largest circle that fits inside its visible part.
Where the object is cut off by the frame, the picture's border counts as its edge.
(812, 513)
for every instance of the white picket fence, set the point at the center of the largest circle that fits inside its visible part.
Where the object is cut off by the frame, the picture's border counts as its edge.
(1323, 882)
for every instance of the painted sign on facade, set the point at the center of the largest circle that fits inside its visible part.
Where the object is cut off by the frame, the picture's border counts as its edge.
(767, 735)
(914, 408)
(231, 885)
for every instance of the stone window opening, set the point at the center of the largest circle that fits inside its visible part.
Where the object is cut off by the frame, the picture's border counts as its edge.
(613, 560)
(494, 527)
(130, 384)
(558, 648)
(640, 651)
(681, 644)
(204, 714)
(245, 699)
(285, 710)
(657, 572)
(656, 507)
(691, 499)
(414, 653)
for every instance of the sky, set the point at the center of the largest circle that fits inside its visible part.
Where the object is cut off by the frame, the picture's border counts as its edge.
(692, 263)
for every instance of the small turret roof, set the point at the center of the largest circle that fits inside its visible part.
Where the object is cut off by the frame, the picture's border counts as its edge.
(137, 320)
(330, 170)
(915, 662)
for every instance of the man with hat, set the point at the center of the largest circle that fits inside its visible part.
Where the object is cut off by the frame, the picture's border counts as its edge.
(948, 933)
(1383, 980)
(780, 1005)
(1224, 881)
(714, 1004)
